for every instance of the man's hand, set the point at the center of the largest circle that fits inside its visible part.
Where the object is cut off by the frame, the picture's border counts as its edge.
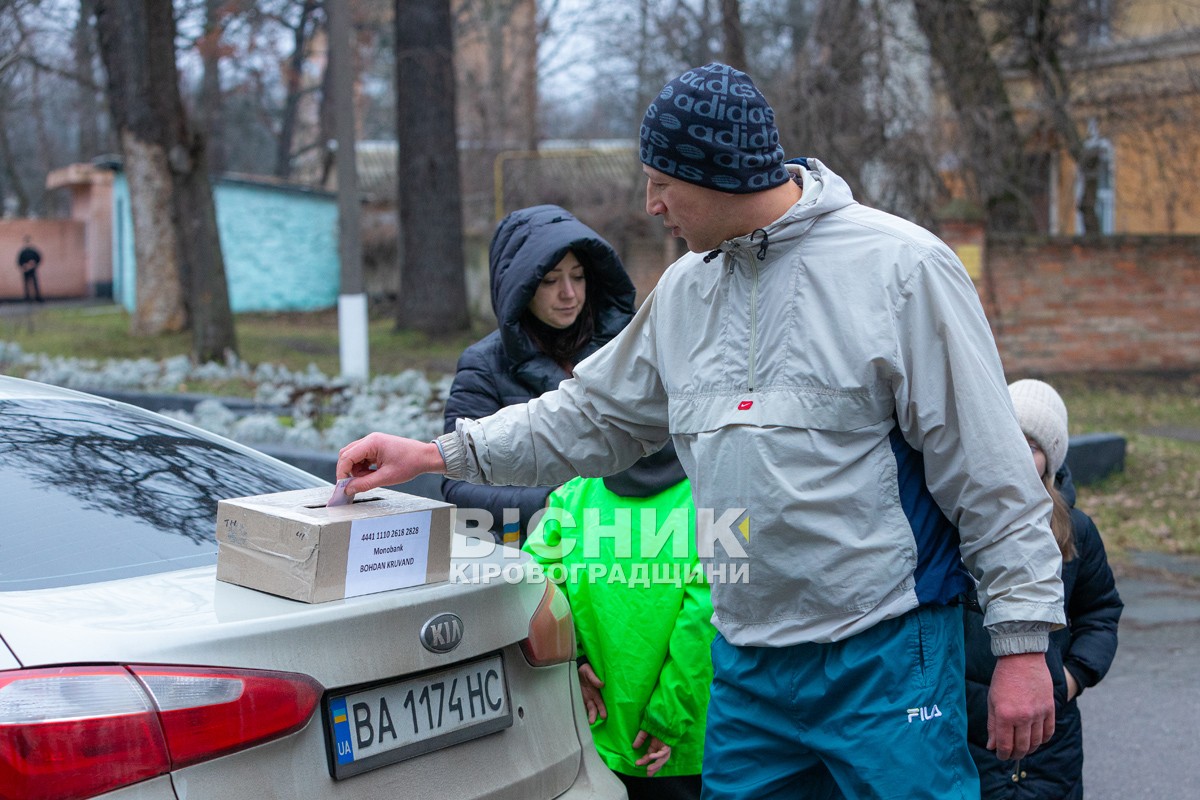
(657, 754)
(1020, 705)
(379, 459)
(590, 684)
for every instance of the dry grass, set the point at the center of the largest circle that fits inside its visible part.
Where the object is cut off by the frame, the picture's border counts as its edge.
(1153, 504)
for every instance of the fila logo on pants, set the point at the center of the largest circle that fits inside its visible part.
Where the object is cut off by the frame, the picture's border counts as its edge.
(923, 713)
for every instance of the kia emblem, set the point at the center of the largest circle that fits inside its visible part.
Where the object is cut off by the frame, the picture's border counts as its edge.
(442, 634)
(745, 405)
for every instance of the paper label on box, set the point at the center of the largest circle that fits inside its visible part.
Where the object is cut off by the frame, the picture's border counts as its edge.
(387, 553)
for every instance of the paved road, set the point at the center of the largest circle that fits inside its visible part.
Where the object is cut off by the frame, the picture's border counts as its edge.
(1141, 725)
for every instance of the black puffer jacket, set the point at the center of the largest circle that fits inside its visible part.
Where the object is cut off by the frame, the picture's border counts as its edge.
(505, 367)
(1086, 647)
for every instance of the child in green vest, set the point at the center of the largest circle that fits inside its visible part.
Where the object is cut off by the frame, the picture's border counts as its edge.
(624, 548)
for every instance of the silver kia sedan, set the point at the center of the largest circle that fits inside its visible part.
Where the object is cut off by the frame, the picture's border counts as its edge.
(128, 671)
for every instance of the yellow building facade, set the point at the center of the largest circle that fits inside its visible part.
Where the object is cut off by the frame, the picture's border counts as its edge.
(1132, 76)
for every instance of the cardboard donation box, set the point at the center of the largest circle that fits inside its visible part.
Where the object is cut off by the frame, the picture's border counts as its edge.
(290, 544)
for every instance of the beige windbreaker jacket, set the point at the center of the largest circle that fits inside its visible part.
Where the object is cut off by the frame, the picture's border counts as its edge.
(839, 406)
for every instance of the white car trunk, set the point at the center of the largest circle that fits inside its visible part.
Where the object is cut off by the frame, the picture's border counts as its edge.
(190, 618)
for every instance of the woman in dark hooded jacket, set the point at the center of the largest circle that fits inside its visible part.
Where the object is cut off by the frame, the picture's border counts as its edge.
(559, 292)
(1079, 654)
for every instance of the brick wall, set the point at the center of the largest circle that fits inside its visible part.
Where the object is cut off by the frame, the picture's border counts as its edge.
(1123, 303)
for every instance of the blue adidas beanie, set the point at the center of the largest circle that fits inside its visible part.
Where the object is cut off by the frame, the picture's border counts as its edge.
(711, 126)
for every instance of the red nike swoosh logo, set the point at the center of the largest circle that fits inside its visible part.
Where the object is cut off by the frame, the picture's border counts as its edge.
(745, 405)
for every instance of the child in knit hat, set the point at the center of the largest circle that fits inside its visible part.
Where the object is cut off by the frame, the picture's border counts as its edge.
(1080, 654)
(1042, 415)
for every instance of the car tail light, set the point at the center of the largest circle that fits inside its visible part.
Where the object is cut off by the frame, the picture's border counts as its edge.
(207, 713)
(75, 732)
(551, 630)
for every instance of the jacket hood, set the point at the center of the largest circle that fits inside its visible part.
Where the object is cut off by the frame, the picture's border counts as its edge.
(824, 192)
(649, 475)
(529, 243)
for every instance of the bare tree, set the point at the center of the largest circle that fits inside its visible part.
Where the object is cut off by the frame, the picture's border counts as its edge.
(1151, 107)
(12, 184)
(34, 69)
(855, 95)
(643, 43)
(976, 90)
(302, 29)
(181, 272)
(255, 63)
(212, 100)
(433, 293)
(92, 133)
(1040, 35)
(497, 72)
(828, 111)
(733, 39)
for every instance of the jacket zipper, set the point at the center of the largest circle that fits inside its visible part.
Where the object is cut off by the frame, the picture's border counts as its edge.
(753, 321)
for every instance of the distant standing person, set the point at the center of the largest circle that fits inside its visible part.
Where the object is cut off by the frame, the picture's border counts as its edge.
(28, 261)
(1079, 654)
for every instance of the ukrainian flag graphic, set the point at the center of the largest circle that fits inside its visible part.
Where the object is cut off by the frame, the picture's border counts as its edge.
(341, 731)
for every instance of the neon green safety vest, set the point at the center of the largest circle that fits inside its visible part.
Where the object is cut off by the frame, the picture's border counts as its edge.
(642, 614)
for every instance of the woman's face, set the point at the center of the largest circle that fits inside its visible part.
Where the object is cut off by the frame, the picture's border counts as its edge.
(1039, 458)
(559, 297)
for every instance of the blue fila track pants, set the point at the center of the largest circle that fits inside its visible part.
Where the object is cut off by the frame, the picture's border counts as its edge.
(879, 715)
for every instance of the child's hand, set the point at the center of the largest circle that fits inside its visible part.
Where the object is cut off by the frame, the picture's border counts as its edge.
(657, 754)
(590, 684)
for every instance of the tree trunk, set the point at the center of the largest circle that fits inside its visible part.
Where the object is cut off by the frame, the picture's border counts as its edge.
(35, 111)
(733, 39)
(213, 337)
(829, 116)
(326, 121)
(8, 164)
(1044, 42)
(88, 111)
(212, 102)
(433, 293)
(977, 92)
(291, 104)
(159, 306)
(181, 273)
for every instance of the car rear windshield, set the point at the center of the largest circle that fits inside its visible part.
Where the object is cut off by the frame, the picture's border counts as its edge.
(94, 492)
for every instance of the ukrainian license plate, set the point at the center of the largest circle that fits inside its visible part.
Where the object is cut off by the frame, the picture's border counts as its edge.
(380, 725)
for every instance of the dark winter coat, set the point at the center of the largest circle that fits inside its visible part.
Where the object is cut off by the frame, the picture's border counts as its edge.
(506, 367)
(1085, 647)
